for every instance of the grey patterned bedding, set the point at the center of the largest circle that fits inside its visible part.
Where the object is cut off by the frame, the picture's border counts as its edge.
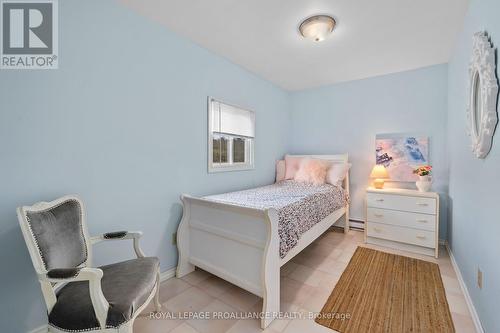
(300, 206)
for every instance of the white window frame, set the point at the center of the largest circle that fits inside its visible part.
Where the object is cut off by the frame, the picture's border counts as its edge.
(249, 146)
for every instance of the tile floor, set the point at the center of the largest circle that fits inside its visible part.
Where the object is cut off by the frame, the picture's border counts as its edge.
(306, 283)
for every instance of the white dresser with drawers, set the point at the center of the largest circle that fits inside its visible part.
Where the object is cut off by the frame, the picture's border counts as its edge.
(403, 219)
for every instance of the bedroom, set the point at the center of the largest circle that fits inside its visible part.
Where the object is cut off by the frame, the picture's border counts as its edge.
(122, 121)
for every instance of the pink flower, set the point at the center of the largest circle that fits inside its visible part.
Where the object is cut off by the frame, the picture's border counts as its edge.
(423, 170)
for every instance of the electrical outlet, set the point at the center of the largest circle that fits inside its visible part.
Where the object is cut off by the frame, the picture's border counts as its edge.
(479, 278)
(174, 238)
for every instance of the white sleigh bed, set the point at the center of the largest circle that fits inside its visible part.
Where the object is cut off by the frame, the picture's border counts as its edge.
(241, 244)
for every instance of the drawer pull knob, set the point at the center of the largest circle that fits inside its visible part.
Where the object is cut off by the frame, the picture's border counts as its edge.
(422, 204)
(379, 200)
(422, 221)
(421, 237)
(379, 215)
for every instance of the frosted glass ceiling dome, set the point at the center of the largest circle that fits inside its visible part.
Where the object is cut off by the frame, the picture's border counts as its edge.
(317, 27)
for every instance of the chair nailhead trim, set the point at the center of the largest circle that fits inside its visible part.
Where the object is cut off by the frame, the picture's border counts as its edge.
(83, 330)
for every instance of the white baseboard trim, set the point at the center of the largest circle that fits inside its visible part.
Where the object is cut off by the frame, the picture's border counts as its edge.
(465, 291)
(41, 329)
(168, 274)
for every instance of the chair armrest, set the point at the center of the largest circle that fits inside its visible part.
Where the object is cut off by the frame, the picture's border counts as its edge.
(72, 274)
(121, 235)
(115, 235)
(93, 276)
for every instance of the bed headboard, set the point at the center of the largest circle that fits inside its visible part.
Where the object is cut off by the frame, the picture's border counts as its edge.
(334, 158)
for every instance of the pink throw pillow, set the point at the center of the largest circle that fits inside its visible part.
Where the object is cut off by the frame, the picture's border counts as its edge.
(292, 165)
(280, 170)
(337, 173)
(312, 171)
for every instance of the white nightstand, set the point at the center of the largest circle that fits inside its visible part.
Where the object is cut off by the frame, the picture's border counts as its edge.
(403, 219)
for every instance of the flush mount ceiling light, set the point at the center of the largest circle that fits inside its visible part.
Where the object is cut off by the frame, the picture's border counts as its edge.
(317, 27)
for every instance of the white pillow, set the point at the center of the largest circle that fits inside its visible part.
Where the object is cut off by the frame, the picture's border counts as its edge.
(280, 170)
(337, 172)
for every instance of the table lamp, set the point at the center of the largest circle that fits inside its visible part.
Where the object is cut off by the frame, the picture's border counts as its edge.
(379, 173)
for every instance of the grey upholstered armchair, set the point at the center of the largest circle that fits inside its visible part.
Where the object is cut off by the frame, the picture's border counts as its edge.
(78, 296)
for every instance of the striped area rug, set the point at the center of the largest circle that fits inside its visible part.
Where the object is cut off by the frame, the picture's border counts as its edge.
(383, 292)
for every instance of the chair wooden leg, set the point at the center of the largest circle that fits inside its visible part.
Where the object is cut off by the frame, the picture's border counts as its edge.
(127, 328)
(157, 295)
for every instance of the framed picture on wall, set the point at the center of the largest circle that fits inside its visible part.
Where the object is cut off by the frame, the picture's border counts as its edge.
(401, 154)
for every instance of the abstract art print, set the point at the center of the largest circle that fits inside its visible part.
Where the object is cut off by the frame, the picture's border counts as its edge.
(401, 154)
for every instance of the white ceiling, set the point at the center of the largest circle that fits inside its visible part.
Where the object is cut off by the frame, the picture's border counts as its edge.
(371, 38)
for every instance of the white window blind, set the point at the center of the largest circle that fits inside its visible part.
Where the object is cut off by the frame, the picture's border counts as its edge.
(231, 134)
(228, 119)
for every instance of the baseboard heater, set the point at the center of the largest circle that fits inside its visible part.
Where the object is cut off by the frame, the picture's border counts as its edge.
(357, 224)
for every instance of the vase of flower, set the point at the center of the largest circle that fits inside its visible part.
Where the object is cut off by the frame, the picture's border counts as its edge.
(426, 178)
(424, 181)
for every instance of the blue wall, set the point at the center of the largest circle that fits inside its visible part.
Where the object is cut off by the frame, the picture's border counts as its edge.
(345, 117)
(122, 123)
(474, 226)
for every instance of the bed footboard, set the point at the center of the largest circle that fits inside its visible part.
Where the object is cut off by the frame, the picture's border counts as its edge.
(238, 244)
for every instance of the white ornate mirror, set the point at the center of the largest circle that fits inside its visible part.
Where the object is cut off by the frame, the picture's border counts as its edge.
(483, 94)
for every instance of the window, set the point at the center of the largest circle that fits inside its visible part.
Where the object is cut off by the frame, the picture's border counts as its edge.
(231, 132)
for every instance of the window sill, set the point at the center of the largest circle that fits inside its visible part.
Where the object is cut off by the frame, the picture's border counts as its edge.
(212, 169)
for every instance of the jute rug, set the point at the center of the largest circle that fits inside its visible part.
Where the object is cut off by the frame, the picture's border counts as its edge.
(382, 292)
